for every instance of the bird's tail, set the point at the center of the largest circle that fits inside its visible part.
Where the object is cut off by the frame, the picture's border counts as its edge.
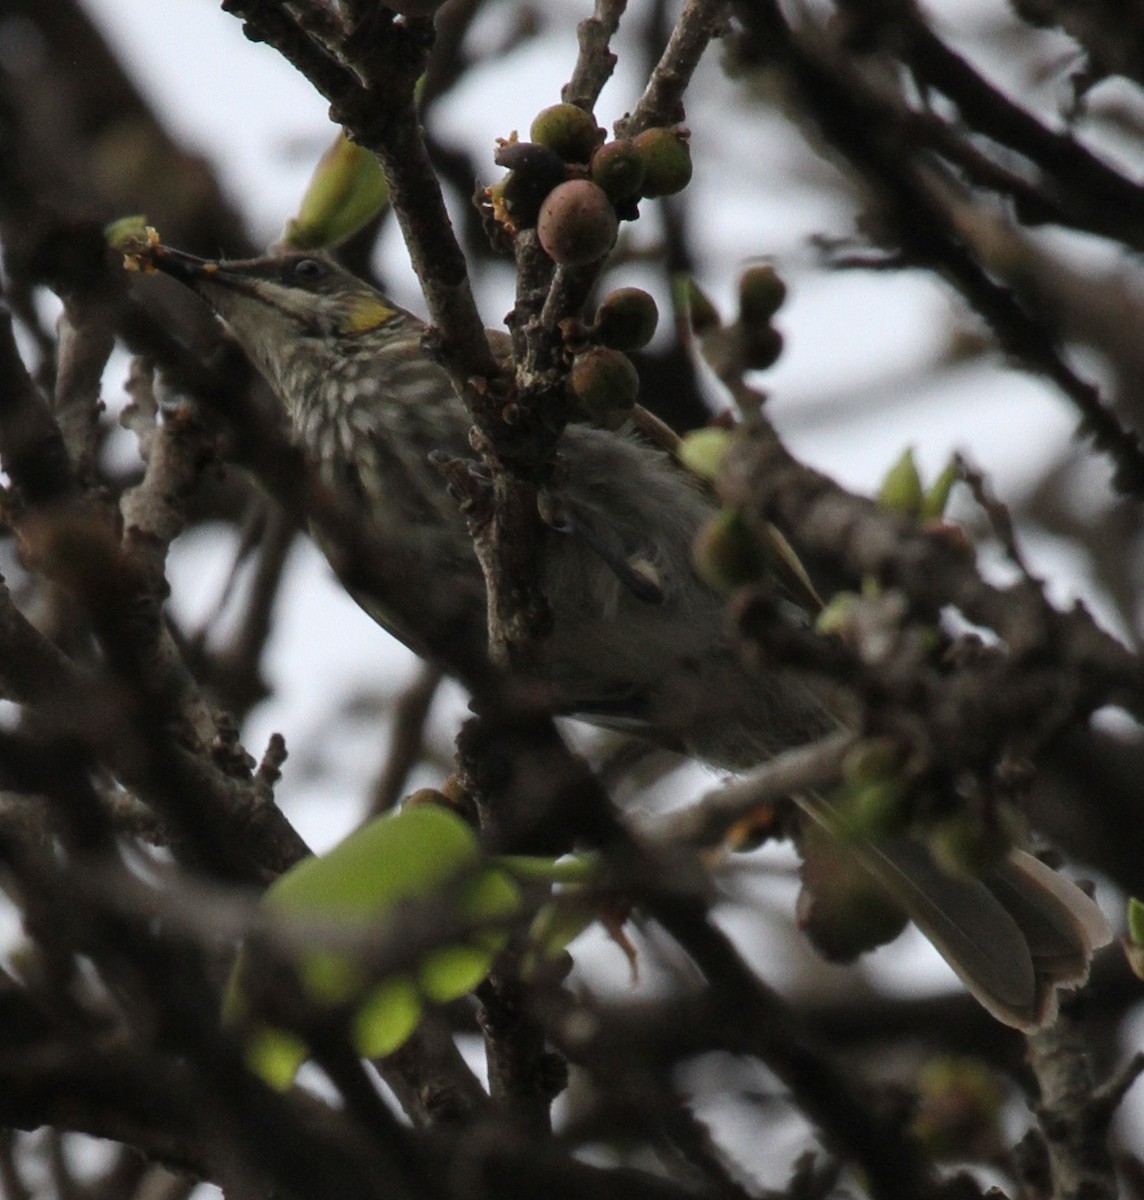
(1013, 936)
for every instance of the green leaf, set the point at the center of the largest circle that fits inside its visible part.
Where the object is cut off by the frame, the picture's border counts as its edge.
(937, 496)
(347, 189)
(387, 1017)
(331, 977)
(1136, 920)
(492, 895)
(392, 858)
(572, 868)
(358, 884)
(556, 926)
(275, 1056)
(901, 489)
(454, 971)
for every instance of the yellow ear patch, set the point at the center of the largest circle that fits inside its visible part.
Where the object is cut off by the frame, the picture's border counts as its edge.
(364, 313)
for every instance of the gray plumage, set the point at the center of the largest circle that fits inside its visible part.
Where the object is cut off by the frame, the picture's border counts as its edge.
(369, 406)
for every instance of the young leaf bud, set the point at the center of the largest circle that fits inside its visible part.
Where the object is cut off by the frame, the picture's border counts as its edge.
(346, 190)
(131, 236)
(577, 224)
(937, 496)
(626, 319)
(869, 809)
(837, 619)
(761, 292)
(666, 159)
(567, 129)
(901, 489)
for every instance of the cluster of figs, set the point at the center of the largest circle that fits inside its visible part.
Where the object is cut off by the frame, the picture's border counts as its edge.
(574, 187)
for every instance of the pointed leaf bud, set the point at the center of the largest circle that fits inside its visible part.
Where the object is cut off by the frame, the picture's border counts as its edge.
(347, 190)
(937, 497)
(901, 489)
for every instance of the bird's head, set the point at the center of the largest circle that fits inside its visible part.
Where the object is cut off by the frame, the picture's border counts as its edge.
(285, 306)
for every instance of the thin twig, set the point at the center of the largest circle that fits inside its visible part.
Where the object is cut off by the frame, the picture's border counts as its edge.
(236, 668)
(662, 101)
(596, 61)
(927, 209)
(706, 822)
(154, 515)
(407, 739)
(1093, 668)
(996, 513)
(1080, 177)
(1074, 1116)
(86, 339)
(375, 103)
(752, 1019)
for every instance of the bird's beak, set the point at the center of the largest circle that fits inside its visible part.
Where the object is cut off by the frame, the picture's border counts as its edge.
(203, 275)
(186, 268)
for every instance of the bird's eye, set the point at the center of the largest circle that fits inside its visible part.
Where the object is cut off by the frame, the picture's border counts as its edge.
(309, 268)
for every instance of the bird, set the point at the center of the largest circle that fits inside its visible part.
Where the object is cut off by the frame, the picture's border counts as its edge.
(638, 639)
